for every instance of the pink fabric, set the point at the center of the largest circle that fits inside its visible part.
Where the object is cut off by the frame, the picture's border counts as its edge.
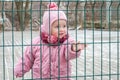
(46, 61)
(51, 39)
(50, 16)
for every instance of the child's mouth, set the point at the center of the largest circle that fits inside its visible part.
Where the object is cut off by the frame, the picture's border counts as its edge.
(61, 34)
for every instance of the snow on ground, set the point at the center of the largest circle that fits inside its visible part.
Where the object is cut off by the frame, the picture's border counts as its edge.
(100, 60)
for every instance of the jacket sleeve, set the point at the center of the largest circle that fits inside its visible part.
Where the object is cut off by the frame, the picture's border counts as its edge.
(69, 54)
(25, 63)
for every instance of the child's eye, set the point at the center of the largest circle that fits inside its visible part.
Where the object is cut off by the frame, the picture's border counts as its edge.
(64, 26)
(56, 26)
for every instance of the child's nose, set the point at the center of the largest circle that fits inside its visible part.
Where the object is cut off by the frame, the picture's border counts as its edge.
(61, 29)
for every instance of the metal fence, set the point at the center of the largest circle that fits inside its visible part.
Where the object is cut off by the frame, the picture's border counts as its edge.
(93, 22)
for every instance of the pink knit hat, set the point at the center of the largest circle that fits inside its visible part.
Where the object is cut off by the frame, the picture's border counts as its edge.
(50, 16)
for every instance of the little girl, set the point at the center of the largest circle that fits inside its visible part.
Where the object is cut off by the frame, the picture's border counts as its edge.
(50, 54)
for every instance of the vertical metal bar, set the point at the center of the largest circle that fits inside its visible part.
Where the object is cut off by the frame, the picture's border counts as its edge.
(31, 44)
(40, 42)
(22, 45)
(67, 40)
(58, 44)
(93, 5)
(76, 15)
(13, 37)
(85, 42)
(50, 62)
(101, 22)
(118, 40)
(84, 29)
(108, 13)
(110, 40)
(2, 11)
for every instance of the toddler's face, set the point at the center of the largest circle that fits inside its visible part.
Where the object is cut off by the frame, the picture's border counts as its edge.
(59, 28)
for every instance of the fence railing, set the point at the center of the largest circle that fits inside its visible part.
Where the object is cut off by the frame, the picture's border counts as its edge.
(93, 22)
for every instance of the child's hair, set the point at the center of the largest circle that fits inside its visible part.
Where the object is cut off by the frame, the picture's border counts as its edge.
(51, 15)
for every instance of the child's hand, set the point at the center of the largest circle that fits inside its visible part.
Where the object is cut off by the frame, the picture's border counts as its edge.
(78, 46)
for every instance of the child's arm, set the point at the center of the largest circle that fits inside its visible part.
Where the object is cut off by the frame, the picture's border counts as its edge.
(74, 50)
(25, 63)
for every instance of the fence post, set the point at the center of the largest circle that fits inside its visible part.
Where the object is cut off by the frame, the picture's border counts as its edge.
(108, 13)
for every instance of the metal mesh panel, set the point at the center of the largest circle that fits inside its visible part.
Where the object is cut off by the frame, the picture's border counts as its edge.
(92, 22)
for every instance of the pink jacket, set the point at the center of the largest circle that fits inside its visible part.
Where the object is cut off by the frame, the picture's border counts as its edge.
(47, 61)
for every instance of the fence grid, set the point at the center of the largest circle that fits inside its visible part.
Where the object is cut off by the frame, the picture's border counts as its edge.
(93, 22)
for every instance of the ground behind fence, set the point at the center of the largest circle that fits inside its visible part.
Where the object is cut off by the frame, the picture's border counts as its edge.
(99, 61)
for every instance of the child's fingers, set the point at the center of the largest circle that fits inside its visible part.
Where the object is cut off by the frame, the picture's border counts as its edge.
(76, 42)
(81, 44)
(86, 45)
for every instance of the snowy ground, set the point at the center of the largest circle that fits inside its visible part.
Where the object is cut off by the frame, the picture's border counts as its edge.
(99, 61)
